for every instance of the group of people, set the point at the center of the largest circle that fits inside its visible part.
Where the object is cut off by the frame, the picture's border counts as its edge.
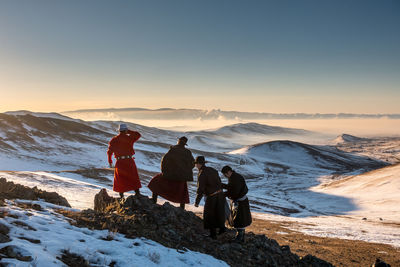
(171, 184)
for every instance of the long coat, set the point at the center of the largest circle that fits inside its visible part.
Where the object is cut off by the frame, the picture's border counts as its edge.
(176, 167)
(126, 176)
(208, 184)
(240, 210)
(177, 164)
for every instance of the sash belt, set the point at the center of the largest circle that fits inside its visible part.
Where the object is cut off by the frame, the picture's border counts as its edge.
(124, 157)
(216, 192)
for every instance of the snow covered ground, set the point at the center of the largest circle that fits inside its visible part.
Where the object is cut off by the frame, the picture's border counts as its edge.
(98, 247)
(319, 187)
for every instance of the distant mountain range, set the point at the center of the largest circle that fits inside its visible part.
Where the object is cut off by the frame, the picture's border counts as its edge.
(190, 114)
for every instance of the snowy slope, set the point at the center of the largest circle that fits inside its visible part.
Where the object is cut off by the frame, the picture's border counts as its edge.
(50, 233)
(304, 155)
(376, 193)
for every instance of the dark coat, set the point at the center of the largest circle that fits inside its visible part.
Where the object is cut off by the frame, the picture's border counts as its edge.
(214, 208)
(240, 210)
(177, 164)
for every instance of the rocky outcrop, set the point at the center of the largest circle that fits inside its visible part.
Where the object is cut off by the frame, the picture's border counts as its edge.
(9, 190)
(180, 229)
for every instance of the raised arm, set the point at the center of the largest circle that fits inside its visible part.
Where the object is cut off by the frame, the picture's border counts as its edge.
(134, 135)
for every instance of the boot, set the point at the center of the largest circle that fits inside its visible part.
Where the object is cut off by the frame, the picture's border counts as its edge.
(137, 193)
(239, 236)
(182, 206)
(213, 233)
(154, 198)
(121, 195)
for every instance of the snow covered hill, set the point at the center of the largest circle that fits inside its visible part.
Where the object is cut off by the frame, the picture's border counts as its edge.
(237, 135)
(347, 138)
(303, 155)
(376, 193)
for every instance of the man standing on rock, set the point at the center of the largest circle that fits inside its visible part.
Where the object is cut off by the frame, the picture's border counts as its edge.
(240, 208)
(209, 184)
(126, 176)
(177, 169)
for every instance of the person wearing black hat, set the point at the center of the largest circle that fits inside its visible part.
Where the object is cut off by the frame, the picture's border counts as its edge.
(209, 185)
(177, 169)
(240, 208)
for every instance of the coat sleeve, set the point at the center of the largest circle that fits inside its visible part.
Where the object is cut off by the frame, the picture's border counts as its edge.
(166, 163)
(134, 135)
(234, 188)
(200, 188)
(110, 151)
(191, 155)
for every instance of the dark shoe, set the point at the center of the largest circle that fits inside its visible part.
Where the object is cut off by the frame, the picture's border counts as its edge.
(137, 194)
(182, 206)
(239, 236)
(121, 195)
(154, 198)
(213, 233)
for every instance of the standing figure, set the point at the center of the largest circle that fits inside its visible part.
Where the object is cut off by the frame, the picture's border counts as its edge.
(177, 169)
(240, 208)
(126, 177)
(209, 184)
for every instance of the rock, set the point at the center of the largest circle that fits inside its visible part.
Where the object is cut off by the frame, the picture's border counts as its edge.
(16, 253)
(23, 225)
(32, 240)
(177, 228)
(4, 238)
(4, 229)
(102, 200)
(9, 190)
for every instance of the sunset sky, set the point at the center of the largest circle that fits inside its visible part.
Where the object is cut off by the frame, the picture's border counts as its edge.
(266, 56)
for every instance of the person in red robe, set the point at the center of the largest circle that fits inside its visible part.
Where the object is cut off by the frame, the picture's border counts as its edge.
(176, 168)
(126, 176)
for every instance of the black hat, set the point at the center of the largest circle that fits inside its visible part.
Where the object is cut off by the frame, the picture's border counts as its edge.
(200, 159)
(226, 169)
(183, 140)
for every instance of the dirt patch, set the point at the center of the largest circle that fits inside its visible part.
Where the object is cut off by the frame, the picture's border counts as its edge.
(339, 252)
(100, 174)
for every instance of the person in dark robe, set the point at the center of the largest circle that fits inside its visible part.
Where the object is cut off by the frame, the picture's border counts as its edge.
(177, 169)
(236, 191)
(209, 185)
(126, 176)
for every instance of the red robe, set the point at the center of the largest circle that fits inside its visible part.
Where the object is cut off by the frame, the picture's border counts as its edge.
(174, 191)
(126, 176)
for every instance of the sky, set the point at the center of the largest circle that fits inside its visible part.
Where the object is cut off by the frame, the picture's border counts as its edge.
(265, 56)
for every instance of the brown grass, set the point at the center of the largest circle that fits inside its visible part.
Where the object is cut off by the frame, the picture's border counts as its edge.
(339, 252)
